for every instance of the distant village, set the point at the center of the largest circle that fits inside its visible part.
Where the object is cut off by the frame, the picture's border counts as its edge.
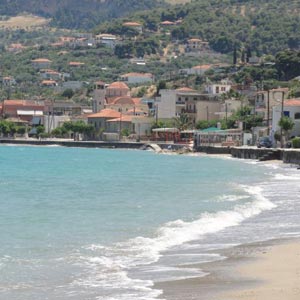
(115, 113)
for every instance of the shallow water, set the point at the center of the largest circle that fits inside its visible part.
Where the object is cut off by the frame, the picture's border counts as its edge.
(105, 224)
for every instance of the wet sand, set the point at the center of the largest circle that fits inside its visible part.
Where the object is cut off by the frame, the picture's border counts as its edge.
(259, 271)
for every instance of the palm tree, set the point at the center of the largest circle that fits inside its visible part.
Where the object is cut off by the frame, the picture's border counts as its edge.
(182, 122)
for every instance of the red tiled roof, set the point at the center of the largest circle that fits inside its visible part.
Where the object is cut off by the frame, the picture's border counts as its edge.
(167, 23)
(137, 74)
(195, 40)
(48, 82)
(185, 89)
(132, 24)
(137, 101)
(76, 63)
(123, 118)
(118, 85)
(106, 113)
(292, 102)
(41, 60)
(123, 100)
(202, 67)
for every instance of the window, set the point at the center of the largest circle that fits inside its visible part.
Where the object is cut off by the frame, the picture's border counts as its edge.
(297, 115)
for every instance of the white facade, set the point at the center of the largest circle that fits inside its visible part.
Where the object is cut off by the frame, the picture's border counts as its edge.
(136, 78)
(166, 104)
(218, 88)
(291, 109)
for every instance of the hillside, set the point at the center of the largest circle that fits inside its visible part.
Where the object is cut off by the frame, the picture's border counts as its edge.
(260, 26)
(74, 14)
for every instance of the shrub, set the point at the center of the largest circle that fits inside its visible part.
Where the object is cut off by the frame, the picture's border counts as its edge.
(296, 142)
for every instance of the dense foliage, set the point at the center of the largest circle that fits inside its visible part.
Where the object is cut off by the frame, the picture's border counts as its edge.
(75, 13)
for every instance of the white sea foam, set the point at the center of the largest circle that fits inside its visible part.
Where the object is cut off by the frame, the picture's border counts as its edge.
(109, 268)
(287, 177)
(232, 198)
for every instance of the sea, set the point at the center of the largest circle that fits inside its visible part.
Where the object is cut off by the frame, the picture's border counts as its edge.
(107, 224)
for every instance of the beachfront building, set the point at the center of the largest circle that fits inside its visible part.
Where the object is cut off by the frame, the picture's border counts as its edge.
(291, 109)
(198, 106)
(24, 110)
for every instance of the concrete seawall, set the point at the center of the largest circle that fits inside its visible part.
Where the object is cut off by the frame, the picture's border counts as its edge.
(286, 155)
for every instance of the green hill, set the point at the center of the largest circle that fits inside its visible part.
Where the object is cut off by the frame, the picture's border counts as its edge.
(76, 14)
(259, 26)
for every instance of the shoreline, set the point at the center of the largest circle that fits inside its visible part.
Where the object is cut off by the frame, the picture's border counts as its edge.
(291, 156)
(255, 271)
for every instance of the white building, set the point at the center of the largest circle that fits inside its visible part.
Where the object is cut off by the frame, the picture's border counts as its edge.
(106, 39)
(291, 109)
(218, 88)
(173, 103)
(137, 78)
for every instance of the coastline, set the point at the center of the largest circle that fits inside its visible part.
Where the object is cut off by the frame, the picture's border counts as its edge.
(256, 271)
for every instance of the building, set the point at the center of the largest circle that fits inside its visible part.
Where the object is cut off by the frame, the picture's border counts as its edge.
(134, 25)
(137, 78)
(196, 70)
(291, 109)
(99, 96)
(116, 89)
(41, 63)
(218, 88)
(106, 39)
(173, 103)
(49, 83)
(22, 109)
(8, 81)
(196, 45)
(100, 119)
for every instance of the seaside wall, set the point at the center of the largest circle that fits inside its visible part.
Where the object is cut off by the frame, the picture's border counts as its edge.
(291, 156)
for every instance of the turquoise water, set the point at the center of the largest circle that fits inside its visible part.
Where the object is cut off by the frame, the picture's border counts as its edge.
(105, 224)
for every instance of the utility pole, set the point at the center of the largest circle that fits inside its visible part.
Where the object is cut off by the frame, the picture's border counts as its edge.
(268, 111)
(282, 113)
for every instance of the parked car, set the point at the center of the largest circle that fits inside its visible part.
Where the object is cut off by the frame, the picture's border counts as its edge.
(264, 142)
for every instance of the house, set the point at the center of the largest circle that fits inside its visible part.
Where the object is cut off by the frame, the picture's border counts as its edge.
(106, 39)
(22, 109)
(138, 61)
(134, 25)
(140, 126)
(196, 45)
(15, 48)
(41, 63)
(137, 78)
(117, 89)
(173, 103)
(76, 64)
(48, 83)
(100, 119)
(291, 109)
(8, 81)
(218, 88)
(49, 74)
(269, 99)
(196, 70)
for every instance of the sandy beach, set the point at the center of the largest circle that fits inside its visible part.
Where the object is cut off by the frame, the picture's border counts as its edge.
(259, 271)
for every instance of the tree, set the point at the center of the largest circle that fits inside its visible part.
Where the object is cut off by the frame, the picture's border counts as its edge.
(286, 124)
(68, 93)
(183, 122)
